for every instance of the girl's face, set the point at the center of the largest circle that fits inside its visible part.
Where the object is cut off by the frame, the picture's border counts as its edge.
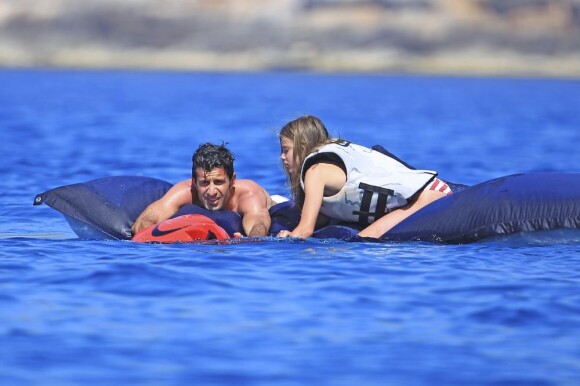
(287, 155)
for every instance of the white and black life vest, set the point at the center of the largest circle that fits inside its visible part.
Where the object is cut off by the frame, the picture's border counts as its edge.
(375, 183)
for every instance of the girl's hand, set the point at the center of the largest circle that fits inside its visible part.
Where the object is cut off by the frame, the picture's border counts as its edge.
(283, 233)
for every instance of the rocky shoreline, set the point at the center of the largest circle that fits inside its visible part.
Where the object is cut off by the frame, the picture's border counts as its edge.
(479, 63)
(476, 37)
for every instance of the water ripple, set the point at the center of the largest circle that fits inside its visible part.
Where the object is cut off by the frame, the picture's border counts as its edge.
(284, 312)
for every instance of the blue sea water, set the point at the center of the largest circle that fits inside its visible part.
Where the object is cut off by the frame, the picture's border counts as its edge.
(314, 312)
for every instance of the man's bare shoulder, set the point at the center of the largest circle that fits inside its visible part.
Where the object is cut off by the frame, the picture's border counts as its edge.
(249, 184)
(250, 192)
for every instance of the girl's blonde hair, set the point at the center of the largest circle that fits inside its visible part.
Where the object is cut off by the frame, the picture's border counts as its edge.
(306, 133)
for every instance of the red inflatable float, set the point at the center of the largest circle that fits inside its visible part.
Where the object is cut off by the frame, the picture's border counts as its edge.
(182, 229)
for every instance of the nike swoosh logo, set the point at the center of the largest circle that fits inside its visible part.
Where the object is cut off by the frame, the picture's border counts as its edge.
(156, 232)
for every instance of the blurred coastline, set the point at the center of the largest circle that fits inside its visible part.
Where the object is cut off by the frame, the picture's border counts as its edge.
(474, 37)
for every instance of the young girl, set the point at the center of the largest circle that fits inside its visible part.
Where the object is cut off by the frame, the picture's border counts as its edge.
(349, 182)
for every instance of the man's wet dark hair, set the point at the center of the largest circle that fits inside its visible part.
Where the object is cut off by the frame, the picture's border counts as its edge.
(209, 156)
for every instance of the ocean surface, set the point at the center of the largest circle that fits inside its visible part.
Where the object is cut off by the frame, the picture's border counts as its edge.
(314, 312)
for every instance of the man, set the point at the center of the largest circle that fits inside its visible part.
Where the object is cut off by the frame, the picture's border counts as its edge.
(214, 186)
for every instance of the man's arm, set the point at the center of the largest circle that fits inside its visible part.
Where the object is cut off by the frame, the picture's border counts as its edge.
(253, 207)
(162, 209)
(257, 224)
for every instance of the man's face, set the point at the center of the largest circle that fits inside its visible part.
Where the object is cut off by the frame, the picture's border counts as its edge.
(213, 188)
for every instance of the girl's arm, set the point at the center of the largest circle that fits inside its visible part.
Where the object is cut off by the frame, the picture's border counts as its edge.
(319, 179)
(314, 183)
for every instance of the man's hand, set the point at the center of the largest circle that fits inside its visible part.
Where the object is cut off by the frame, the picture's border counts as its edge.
(150, 216)
(165, 207)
